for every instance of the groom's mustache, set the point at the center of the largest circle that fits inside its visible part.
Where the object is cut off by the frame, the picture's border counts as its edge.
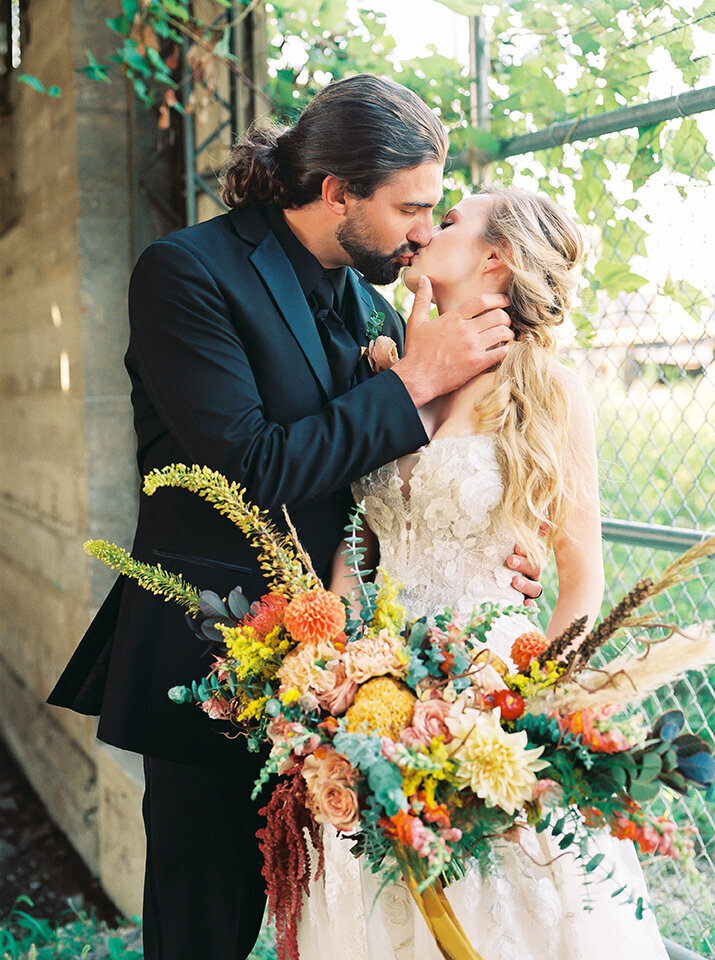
(408, 249)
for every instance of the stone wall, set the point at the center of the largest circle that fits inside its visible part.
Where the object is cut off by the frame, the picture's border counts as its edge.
(66, 444)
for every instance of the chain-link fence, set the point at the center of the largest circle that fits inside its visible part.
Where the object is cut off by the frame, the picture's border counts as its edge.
(647, 355)
(649, 364)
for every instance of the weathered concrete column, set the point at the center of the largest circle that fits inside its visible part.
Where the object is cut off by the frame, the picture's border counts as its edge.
(66, 439)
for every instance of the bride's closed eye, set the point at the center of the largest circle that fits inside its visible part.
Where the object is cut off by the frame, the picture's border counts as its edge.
(445, 223)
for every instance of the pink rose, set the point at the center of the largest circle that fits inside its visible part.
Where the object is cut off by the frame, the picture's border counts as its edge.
(338, 692)
(428, 722)
(382, 354)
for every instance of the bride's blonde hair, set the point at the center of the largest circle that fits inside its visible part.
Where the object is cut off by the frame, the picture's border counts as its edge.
(529, 408)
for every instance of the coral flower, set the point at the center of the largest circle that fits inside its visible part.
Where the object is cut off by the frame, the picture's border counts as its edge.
(266, 614)
(526, 648)
(598, 732)
(315, 616)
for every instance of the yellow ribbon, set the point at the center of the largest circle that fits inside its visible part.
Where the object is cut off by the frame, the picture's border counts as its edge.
(434, 906)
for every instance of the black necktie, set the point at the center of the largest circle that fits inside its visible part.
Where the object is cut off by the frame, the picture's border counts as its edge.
(340, 347)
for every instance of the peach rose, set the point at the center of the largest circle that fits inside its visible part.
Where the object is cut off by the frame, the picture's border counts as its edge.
(331, 799)
(337, 691)
(428, 722)
(382, 354)
(338, 805)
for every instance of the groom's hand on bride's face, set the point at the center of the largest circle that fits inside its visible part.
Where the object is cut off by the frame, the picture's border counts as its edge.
(443, 354)
(527, 576)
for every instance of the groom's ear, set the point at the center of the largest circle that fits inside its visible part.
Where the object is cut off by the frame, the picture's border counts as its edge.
(334, 192)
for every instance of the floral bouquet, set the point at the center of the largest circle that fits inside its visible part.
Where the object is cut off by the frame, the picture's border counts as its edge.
(416, 739)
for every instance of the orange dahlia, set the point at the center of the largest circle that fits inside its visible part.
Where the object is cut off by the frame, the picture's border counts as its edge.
(315, 616)
(526, 648)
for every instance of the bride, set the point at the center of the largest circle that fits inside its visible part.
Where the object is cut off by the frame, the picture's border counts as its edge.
(512, 455)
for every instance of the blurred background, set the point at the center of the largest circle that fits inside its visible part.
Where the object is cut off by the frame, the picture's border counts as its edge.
(115, 117)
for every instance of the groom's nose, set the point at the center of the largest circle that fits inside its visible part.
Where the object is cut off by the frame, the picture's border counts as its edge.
(421, 230)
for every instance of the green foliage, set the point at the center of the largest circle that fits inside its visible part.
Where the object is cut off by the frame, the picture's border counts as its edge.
(38, 85)
(24, 937)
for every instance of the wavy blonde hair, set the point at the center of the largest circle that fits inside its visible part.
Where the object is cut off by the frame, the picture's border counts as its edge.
(529, 409)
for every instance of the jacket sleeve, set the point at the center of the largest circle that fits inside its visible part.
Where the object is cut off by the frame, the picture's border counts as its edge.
(197, 376)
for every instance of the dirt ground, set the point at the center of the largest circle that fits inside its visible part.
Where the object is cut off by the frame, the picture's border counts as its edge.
(37, 860)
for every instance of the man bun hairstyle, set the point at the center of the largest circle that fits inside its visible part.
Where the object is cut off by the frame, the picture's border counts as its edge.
(363, 130)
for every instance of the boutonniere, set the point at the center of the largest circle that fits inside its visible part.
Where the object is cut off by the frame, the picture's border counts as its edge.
(382, 354)
(373, 327)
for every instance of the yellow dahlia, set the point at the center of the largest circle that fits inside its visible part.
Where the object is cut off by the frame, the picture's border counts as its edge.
(383, 706)
(315, 616)
(494, 764)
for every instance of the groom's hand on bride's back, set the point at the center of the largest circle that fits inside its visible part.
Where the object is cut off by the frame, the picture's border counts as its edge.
(443, 354)
(527, 576)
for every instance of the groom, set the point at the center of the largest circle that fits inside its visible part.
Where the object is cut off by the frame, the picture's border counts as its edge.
(247, 354)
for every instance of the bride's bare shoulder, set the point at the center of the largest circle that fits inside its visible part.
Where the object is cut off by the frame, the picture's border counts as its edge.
(572, 382)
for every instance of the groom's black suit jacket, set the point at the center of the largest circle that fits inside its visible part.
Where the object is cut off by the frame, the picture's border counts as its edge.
(228, 370)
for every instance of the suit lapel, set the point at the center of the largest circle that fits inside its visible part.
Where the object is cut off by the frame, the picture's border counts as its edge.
(363, 307)
(281, 282)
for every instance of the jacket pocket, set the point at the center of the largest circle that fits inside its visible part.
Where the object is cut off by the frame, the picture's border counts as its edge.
(201, 561)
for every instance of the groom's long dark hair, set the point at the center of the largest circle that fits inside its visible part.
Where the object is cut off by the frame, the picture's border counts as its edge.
(362, 130)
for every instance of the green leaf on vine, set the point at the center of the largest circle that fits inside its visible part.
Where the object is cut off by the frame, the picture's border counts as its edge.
(685, 294)
(587, 42)
(615, 278)
(31, 81)
(686, 152)
(120, 25)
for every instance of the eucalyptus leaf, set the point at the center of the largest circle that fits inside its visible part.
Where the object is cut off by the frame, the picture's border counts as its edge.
(238, 603)
(698, 767)
(208, 629)
(650, 768)
(669, 724)
(642, 791)
(211, 605)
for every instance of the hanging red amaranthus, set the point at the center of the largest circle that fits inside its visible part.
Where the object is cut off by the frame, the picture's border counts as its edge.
(286, 857)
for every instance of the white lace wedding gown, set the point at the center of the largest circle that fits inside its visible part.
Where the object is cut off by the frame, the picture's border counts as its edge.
(438, 538)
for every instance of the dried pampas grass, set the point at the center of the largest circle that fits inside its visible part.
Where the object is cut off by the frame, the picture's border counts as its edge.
(631, 677)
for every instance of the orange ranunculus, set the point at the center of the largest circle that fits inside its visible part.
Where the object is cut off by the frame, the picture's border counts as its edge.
(315, 616)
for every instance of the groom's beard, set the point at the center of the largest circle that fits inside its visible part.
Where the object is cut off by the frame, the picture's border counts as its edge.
(359, 242)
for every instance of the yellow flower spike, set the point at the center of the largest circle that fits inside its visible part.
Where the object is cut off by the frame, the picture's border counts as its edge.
(388, 612)
(289, 696)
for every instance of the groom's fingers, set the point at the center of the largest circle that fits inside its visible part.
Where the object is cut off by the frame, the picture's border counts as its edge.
(484, 307)
(422, 302)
